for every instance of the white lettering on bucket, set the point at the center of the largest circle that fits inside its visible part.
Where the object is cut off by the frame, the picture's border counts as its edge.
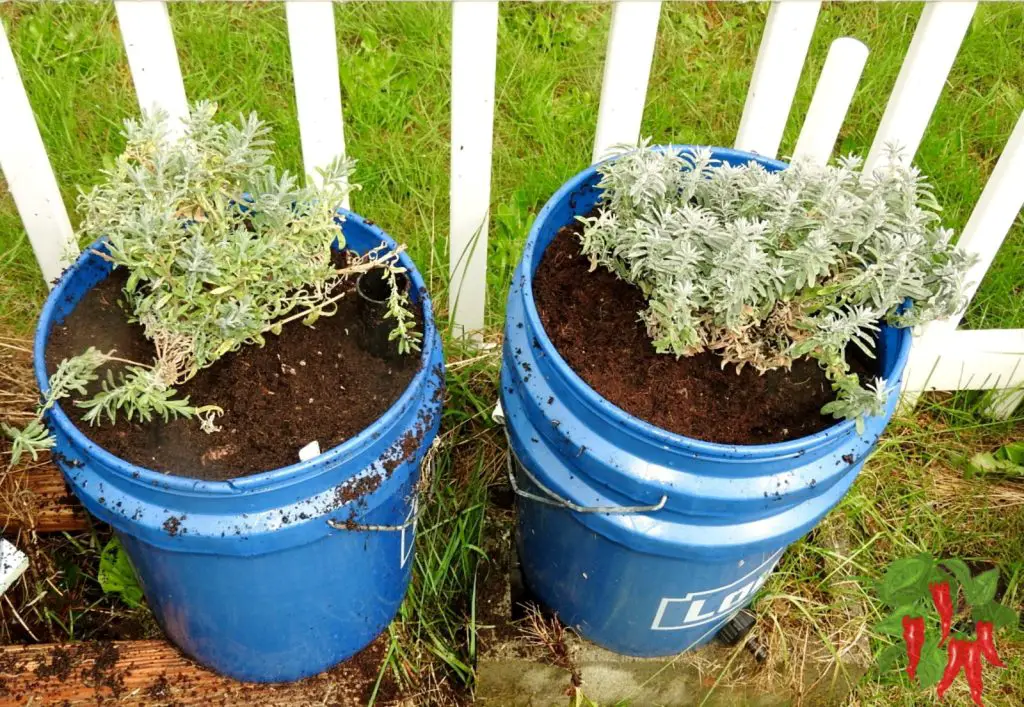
(693, 614)
(702, 607)
(409, 533)
(737, 597)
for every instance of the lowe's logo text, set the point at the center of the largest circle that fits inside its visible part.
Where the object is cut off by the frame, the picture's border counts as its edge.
(703, 607)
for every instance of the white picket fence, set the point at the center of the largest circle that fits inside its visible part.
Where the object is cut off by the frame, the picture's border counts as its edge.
(944, 357)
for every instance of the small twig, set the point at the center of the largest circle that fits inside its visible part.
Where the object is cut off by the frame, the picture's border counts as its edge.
(305, 313)
(22, 349)
(101, 254)
(34, 601)
(49, 580)
(369, 262)
(18, 617)
(128, 361)
(362, 267)
(455, 365)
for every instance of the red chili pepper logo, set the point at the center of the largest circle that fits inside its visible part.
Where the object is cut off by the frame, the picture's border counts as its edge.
(961, 653)
(927, 598)
(956, 652)
(944, 605)
(913, 636)
(984, 630)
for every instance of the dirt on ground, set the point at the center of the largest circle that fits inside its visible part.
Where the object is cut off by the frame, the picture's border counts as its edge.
(58, 598)
(153, 672)
(593, 320)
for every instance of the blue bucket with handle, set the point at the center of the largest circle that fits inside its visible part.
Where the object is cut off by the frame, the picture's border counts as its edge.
(645, 541)
(274, 576)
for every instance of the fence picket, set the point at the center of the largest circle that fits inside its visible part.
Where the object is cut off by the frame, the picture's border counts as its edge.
(152, 58)
(944, 358)
(780, 59)
(314, 51)
(627, 69)
(831, 100)
(968, 359)
(987, 228)
(474, 58)
(992, 218)
(1003, 403)
(30, 178)
(937, 39)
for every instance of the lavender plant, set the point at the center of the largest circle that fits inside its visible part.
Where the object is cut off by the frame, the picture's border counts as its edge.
(220, 249)
(765, 267)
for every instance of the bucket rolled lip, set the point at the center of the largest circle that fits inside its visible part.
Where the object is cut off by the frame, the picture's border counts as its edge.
(636, 425)
(264, 480)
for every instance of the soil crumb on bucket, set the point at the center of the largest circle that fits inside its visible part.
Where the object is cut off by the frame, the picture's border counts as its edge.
(309, 383)
(592, 318)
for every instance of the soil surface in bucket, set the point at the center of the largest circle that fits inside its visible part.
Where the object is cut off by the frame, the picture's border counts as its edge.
(309, 383)
(593, 320)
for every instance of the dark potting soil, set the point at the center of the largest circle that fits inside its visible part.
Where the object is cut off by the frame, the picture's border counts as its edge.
(592, 318)
(308, 383)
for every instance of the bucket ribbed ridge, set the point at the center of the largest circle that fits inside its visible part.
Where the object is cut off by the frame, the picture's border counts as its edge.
(630, 580)
(257, 577)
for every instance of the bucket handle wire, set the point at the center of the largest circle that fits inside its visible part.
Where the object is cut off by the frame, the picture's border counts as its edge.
(424, 482)
(557, 501)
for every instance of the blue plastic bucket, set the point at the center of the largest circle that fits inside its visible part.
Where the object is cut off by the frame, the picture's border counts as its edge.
(646, 541)
(257, 577)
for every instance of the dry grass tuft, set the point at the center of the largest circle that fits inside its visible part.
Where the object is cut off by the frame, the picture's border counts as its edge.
(18, 397)
(548, 634)
(817, 613)
(18, 393)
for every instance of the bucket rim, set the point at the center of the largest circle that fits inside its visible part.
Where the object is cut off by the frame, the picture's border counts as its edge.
(264, 481)
(635, 425)
(665, 532)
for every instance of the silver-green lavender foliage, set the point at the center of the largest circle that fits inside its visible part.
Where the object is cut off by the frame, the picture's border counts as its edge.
(218, 244)
(72, 376)
(765, 267)
(220, 249)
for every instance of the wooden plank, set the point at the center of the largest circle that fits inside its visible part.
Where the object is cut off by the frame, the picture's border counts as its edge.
(154, 672)
(627, 69)
(780, 59)
(152, 58)
(314, 51)
(937, 39)
(831, 100)
(35, 498)
(30, 179)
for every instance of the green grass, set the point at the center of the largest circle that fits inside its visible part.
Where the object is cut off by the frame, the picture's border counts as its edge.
(911, 498)
(394, 70)
(432, 653)
(394, 60)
